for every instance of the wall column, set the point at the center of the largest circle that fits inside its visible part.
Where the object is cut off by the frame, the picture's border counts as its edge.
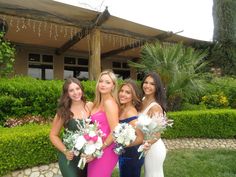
(94, 55)
(58, 67)
(133, 73)
(21, 62)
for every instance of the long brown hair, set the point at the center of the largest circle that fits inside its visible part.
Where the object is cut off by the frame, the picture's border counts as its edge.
(135, 91)
(160, 94)
(64, 103)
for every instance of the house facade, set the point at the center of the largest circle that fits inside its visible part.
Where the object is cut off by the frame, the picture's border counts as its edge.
(56, 40)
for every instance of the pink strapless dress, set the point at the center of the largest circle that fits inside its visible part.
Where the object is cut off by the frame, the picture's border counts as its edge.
(103, 167)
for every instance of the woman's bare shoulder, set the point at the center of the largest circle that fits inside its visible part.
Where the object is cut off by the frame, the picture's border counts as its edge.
(155, 109)
(89, 105)
(110, 105)
(132, 112)
(110, 101)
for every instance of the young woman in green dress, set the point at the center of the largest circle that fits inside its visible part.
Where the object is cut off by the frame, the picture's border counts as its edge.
(71, 110)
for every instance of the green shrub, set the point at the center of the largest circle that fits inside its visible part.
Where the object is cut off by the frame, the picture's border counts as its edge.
(202, 124)
(26, 146)
(31, 96)
(23, 96)
(215, 101)
(222, 85)
(29, 145)
(215, 89)
(189, 106)
(7, 56)
(89, 89)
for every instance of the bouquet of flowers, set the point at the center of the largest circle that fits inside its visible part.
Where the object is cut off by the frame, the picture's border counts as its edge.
(86, 140)
(150, 125)
(123, 135)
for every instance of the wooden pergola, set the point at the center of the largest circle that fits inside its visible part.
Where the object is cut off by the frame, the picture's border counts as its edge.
(64, 27)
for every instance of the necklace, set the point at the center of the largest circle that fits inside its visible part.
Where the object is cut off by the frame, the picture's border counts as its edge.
(124, 110)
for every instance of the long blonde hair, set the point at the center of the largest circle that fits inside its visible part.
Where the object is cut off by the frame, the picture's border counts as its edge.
(113, 77)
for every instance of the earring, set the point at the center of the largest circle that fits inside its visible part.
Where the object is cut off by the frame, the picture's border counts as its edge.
(133, 102)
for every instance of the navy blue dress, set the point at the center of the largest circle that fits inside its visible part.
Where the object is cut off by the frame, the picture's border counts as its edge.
(129, 163)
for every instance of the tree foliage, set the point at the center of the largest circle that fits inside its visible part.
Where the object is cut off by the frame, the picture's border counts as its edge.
(7, 56)
(179, 67)
(224, 37)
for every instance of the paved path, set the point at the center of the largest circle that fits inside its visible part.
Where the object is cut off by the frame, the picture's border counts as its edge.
(52, 170)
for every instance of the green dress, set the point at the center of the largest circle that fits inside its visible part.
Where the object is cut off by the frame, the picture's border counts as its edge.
(70, 169)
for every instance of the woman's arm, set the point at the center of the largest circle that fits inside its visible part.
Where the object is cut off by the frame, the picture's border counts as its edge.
(139, 134)
(154, 110)
(57, 125)
(112, 111)
(89, 106)
(139, 139)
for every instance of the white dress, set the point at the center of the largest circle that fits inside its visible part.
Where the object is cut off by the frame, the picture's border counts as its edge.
(155, 156)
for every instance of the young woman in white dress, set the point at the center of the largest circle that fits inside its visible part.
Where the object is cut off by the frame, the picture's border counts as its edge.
(154, 101)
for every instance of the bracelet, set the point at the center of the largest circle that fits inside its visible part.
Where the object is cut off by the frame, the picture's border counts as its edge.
(156, 139)
(105, 144)
(65, 150)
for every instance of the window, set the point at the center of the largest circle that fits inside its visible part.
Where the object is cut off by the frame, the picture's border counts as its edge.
(34, 57)
(116, 65)
(122, 74)
(69, 60)
(121, 69)
(76, 67)
(125, 65)
(40, 66)
(47, 58)
(82, 61)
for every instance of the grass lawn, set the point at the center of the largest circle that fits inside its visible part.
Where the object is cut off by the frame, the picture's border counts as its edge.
(198, 163)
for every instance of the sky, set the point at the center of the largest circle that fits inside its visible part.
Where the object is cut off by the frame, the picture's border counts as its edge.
(192, 17)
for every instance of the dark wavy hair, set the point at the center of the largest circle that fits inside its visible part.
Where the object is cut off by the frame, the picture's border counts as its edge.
(64, 103)
(135, 91)
(160, 94)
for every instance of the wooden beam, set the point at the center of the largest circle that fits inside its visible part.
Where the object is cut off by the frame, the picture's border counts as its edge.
(38, 15)
(140, 43)
(101, 18)
(95, 57)
(98, 21)
(76, 38)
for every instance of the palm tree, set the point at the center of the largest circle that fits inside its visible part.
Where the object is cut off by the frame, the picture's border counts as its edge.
(178, 66)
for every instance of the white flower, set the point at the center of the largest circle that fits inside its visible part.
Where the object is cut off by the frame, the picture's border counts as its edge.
(144, 120)
(80, 141)
(92, 133)
(89, 149)
(120, 139)
(99, 143)
(140, 148)
(152, 125)
(123, 135)
(86, 140)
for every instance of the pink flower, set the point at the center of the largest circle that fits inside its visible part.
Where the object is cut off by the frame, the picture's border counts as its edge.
(91, 138)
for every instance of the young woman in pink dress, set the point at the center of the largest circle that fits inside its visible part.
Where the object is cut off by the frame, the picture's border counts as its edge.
(105, 111)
